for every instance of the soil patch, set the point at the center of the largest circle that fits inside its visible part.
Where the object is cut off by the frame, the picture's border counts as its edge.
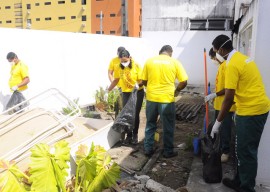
(173, 172)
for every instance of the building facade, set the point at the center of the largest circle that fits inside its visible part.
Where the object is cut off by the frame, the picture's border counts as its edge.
(116, 17)
(56, 15)
(112, 17)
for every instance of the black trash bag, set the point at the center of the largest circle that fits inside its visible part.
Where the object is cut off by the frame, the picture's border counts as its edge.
(124, 122)
(211, 157)
(16, 98)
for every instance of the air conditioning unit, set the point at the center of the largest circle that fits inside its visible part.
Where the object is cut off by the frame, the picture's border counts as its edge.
(83, 8)
(28, 12)
(83, 24)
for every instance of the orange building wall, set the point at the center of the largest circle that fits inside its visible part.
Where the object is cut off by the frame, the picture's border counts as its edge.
(111, 25)
(134, 18)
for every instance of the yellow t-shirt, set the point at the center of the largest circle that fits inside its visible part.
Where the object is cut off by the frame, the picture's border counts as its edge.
(220, 85)
(17, 73)
(115, 63)
(160, 72)
(129, 77)
(243, 76)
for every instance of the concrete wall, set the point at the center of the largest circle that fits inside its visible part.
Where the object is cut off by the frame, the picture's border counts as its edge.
(174, 15)
(74, 63)
(253, 40)
(188, 47)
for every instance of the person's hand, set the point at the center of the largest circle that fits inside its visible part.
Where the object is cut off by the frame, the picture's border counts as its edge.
(14, 88)
(210, 97)
(136, 86)
(176, 93)
(215, 128)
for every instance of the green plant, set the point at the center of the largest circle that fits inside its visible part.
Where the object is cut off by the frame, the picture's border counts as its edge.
(106, 101)
(70, 108)
(48, 170)
(11, 179)
(95, 169)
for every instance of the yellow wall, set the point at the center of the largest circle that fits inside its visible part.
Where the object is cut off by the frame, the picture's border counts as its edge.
(46, 17)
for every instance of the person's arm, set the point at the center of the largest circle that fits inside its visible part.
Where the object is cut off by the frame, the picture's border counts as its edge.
(225, 108)
(110, 75)
(221, 92)
(25, 81)
(142, 83)
(227, 104)
(113, 84)
(180, 87)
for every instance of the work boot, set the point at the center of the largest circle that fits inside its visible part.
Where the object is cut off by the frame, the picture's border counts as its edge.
(231, 183)
(134, 139)
(170, 155)
(148, 153)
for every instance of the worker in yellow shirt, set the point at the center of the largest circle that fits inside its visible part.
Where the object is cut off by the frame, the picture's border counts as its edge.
(18, 81)
(218, 96)
(244, 85)
(129, 72)
(115, 62)
(19, 77)
(159, 76)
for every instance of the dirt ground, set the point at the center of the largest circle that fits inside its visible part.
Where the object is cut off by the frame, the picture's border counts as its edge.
(174, 172)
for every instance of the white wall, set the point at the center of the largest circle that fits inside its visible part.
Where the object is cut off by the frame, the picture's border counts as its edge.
(74, 63)
(188, 47)
(262, 58)
(256, 18)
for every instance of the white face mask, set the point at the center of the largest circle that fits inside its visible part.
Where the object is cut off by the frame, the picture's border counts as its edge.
(12, 63)
(125, 64)
(218, 56)
(215, 62)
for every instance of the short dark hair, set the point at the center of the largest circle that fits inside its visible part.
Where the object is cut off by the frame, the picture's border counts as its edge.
(11, 55)
(120, 49)
(166, 48)
(220, 40)
(212, 53)
(124, 53)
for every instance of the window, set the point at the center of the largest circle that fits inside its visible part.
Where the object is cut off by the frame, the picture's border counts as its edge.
(7, 7)
(29, 21)
(112, 15)
(84, 18)
(0, 22)
(98, 32)
(61, 2)
(73, 17)
(9, 21)
(83, 2)
(28, 6)
(18, 20)
(62, 18)
(18, 13)
(73, 1)
(37, 19)
(47, 3)
(48, 18)
(17, 5)
(98, 15)
(112, 32)
(37, 4)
